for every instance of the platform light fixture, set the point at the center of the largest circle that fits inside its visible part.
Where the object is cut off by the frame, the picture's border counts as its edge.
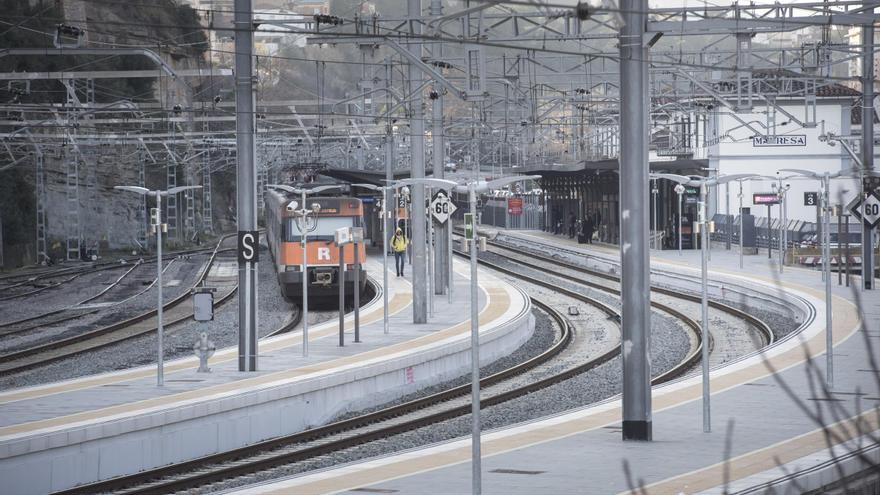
(383, 213)
(160, 355)
(302, 218)
(472, 188)
(704, 184)
(825, 204)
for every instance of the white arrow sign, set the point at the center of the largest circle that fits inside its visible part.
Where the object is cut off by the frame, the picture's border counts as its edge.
(441, 207)
(867, 210)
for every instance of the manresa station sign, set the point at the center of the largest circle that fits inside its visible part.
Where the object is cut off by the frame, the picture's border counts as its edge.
(786, 140)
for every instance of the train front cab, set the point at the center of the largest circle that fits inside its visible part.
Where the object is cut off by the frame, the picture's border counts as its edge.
(321, 251)
(323, 269)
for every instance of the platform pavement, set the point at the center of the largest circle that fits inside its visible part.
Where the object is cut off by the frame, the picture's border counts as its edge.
(581, 452)
(34, 419)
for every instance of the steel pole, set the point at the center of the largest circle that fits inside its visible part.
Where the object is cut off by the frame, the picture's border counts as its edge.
(769, 234)
(634, 254)
(417, 146)
(160, 359)
(781, 230)
(740, 224)
(867, 147)
(679, 224)
(654, 217)
(384, 211)
(357, 294)
(341, 296)
(829, 341)
(449, 256)
(839, 248)
(441, 282)
(430, 265)
(475, 355)
(304, 230)
(728, 227)
(389, 162)
(246, 183)
(704, 309)
(846, 250)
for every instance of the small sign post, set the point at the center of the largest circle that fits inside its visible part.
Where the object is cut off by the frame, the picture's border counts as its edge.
(248, 246)
(343, 236)
(357, 236)
(770, 198)
(441, 207)
(514, 206)
(469, 226)
(811, 198)
(867, 210)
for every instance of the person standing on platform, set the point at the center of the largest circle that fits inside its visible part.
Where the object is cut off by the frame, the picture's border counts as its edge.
(398, 245)
(589, 228)
(571, 225)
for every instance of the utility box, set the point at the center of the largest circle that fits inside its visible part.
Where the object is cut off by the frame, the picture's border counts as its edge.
(203, 304)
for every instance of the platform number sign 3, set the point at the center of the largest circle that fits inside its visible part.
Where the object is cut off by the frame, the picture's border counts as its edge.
(868, 209)
(811, 198)
(248, 246)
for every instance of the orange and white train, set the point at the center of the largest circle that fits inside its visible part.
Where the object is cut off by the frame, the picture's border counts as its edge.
(322, 254)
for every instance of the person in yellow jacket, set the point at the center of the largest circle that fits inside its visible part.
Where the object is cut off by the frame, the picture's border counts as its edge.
(398, 245)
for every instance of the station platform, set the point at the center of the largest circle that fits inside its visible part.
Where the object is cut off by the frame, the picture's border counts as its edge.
(61, 435)
(774, 429)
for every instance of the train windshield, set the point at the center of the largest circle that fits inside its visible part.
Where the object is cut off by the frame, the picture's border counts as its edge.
(326, 228)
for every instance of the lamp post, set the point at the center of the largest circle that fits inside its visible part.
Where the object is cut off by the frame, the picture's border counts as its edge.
(160, 356)
(472, 189)
(383, 212)
(781, 191)
(704, 185)
(740, 196)
(654, 192)
(304, 229)
(679, 189)
(826, 258)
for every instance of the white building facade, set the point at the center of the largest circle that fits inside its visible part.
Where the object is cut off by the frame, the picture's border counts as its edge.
(771, 138)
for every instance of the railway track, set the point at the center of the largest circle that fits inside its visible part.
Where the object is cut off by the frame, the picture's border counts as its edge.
(689, 361)
(43, 280)
(765, 332)
(141, 324)
(77, 309)
(383, 423)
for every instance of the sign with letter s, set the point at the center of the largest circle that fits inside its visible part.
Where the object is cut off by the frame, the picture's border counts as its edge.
(248, 246)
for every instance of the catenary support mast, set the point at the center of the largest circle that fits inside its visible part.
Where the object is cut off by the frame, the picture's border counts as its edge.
(635, 275)
(245, 181)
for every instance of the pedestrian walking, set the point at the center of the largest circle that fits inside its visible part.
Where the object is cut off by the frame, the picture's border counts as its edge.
(398, 245)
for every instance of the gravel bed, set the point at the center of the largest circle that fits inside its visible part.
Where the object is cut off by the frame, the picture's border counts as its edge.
(779, 324)
(674, 336)
(223, 331)
(59, 297)
(182, 273)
